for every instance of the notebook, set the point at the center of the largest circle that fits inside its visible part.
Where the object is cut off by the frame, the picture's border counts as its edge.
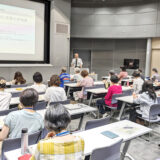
(109, 134)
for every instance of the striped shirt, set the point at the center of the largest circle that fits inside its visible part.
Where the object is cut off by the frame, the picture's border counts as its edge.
(49, 149)
(64, 77)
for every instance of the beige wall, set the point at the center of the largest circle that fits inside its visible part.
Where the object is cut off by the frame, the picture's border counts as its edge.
(155, 58)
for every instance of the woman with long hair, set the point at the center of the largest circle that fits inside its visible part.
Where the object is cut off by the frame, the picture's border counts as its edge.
(145, 100)
(18, 79)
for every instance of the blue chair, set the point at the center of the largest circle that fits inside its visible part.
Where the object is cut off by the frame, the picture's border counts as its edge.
(19, 86)
(12, 144)
(154, 112)
(40, 105)
(111, 152)
(115, 101)
(97, 123)
(6, 112)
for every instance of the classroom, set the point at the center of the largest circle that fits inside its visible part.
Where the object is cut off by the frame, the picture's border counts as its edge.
(80, 80)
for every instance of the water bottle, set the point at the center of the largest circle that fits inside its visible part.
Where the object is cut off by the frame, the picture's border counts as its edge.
(24, 141)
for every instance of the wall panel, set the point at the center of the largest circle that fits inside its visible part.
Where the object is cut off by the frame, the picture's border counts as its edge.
(107, 54)
(135, 21)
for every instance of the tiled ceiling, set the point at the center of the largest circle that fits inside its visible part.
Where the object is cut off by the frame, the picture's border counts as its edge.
(107, 2)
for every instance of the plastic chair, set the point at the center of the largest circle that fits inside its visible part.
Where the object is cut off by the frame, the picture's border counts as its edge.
(6, 112)
(12, 144)
(61, 102)
(40, 105)
(154, 112)
(97, 123)
(115, 101)
(19, 86)
(111, 152)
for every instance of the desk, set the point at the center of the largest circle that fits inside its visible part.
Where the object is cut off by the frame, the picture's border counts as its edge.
(13, 90)
(127, 99)
(94, 139)
(15, 100)
(101, 91)
(74, 86)
(76, 111)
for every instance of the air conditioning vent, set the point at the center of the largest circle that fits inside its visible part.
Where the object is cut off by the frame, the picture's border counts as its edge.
(62, 28)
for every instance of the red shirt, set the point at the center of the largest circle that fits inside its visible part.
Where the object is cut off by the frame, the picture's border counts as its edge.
(115, 89)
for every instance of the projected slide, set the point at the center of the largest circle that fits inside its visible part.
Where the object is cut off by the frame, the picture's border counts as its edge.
(17, 30)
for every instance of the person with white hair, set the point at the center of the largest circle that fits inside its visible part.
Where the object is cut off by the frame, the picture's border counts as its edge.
(77, 76)
(76, 61)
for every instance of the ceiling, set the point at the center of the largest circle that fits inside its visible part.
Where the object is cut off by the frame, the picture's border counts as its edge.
(91, 3)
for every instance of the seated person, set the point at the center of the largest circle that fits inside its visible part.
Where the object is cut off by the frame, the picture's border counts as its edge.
(25, 118)
(137, 82)
(38, 85)
(77, 76)
(18, 79)
(86, 82)
(5, 97)
(111, 73)
(115, 88)
(64, 77)
(146, 100)
(108, 81)
(54, 93)
(141, 75)
(155, 75)
(123, 73)
(62, 144)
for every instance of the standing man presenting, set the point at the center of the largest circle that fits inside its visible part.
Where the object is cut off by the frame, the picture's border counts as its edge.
(76, 61)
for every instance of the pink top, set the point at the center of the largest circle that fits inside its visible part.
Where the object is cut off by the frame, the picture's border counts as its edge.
(115, 89)
(86, 82)
(122, 75)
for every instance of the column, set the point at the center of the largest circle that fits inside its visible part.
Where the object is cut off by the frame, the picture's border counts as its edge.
(148, 57)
